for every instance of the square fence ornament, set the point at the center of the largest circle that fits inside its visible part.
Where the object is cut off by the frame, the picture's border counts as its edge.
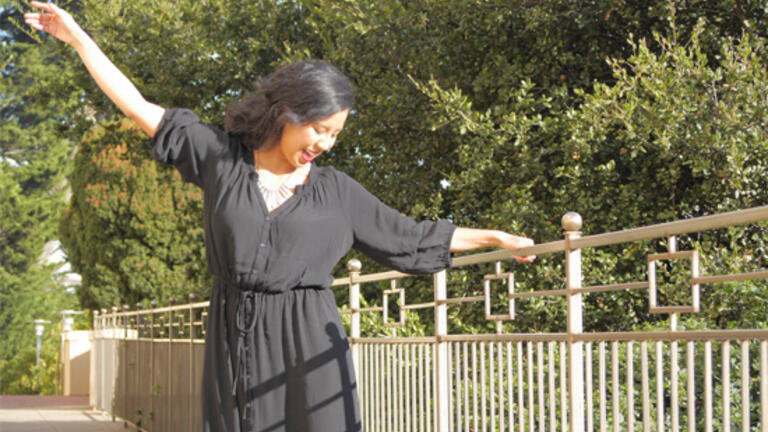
(401, 322)
(510, 277)
(694, 306)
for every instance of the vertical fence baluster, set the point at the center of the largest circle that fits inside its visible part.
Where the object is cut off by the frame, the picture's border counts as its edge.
(659, 386)
(520, 399)
(510, 392)
(483, 389)
(461, 391)
(691, 387)
(457, 409)
(531, 403)
(646, 387)
(414, 389)
(630, 387)
(708, 386)
(449, 359)
(500, 383)
(401, 385)
(407, 392)
(152, 363)
(466, 385)
(673, 376)
(601, 385)
(552, 407)
(475, 419)
(364, 378)
(124, 362)
(137, 370)
(563, 389)
(726, 362)
(488, 390)
(381, 385)
(745, 420)
(169, 407)
(191, 394)
(388, 387)
(764, 385)
(590, 390)
(615, 385)
(540, 383)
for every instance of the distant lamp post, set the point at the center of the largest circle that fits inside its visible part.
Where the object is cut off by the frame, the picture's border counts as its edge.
(68, 319)
(39, 327)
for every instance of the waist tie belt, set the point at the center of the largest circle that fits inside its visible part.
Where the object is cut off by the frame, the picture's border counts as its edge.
(244, 327)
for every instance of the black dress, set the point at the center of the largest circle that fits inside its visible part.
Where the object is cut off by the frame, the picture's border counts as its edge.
(276, 353)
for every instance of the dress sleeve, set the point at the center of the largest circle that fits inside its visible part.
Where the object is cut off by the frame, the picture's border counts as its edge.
(393, 239)
(184, 141)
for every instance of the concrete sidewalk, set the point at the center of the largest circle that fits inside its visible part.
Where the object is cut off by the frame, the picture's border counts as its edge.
(53, 414)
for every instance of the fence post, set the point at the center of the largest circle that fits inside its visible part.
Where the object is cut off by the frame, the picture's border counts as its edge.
(571, 222)
(442, 378)
(354, 266)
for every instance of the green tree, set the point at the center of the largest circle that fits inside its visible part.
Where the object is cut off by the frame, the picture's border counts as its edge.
(145, 219)
(37, 97)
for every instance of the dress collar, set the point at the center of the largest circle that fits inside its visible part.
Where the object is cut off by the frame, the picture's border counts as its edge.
(250, 164)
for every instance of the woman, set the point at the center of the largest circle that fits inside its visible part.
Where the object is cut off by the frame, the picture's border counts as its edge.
(276, 355)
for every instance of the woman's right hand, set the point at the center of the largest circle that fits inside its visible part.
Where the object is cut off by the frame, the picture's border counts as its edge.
(53, 20)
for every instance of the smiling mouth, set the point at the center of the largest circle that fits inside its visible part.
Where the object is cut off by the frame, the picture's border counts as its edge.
(308, 156)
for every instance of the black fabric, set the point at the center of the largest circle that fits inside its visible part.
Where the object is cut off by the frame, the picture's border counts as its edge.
(276, 353)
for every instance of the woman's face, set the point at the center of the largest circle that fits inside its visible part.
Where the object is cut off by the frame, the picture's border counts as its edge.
(300, 144)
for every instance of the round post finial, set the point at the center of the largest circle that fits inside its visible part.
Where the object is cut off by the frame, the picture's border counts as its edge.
(354, 265)
(571, 221)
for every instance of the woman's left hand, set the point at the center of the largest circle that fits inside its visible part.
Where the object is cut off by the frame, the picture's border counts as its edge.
(465, 239)
(513, 242)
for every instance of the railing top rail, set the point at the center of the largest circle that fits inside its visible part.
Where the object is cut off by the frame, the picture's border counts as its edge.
(183, 307)
(703, 223)
(698, 224)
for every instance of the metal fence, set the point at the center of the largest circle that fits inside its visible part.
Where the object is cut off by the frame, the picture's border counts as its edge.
(148, 363)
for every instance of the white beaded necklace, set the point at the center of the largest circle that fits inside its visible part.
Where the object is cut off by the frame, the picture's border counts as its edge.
(275, 197)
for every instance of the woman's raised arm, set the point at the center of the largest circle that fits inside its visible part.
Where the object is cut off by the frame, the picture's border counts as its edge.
(60, 24)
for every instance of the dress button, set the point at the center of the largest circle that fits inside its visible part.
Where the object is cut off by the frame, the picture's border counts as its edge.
(266, 218)
(262, 245)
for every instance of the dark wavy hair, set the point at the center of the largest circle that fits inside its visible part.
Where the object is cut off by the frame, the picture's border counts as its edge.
(297, 93)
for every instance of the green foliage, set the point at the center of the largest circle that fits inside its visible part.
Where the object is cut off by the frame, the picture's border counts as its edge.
(150, 238)
(22, 376)
(36, 99)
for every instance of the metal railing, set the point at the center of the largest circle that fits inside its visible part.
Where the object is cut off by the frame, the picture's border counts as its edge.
(487, 382)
